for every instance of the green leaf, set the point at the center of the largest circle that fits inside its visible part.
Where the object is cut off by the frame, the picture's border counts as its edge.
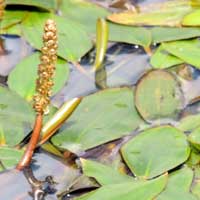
(156, 151)
(169, 13)
(194, 138)
(87, 13)
(158, 96)
(23, 77)
(166, 34)
(16, 117)
(9, 157)
(128, 34)
(99, 119)
(192, 19)
(138, 190)
(102, 33)
(73, 41)
(83, 12)
(11, 18)
(196, 189)
(189, 123)
(186, 50)
(161, 59)
(104, 174)
(44, 4)
(178, 186)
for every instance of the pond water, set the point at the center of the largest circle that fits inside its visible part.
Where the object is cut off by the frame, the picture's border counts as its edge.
(123, 66)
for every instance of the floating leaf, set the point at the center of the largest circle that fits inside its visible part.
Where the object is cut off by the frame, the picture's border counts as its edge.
(162, 14)
(162, 59)
(15, 115)
(44, 4)
(9, 157)
(156, 151)
(12, 18)
(83, 12)
(23, 78)
(189, 123)
(139, 190)
(178, 186)
(158, 95)
(87, 13)
(104, 174)
(73, 41)
(196, 188)
(128, 34)
(186, 50)
(194, 138)
(192, 19)
(99, 119)
(166, 34)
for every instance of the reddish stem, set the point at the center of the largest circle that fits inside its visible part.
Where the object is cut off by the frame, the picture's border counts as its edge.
(26, 159)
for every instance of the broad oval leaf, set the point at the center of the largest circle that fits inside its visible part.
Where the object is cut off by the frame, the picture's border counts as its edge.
(156, 151)
(16, 117)
(99, 118)
(158, 96)
(23, 77)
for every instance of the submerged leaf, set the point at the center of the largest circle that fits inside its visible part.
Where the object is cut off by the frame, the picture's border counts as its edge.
(100, 118)
(156, 151)
(23, 78)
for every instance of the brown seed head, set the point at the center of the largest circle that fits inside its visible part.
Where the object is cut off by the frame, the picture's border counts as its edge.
(46, 68)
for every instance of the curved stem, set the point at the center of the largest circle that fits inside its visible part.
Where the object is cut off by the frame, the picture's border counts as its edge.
(26, 159)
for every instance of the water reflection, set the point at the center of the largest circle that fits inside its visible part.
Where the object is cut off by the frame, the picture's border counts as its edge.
(123, 66)
(16, 49)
